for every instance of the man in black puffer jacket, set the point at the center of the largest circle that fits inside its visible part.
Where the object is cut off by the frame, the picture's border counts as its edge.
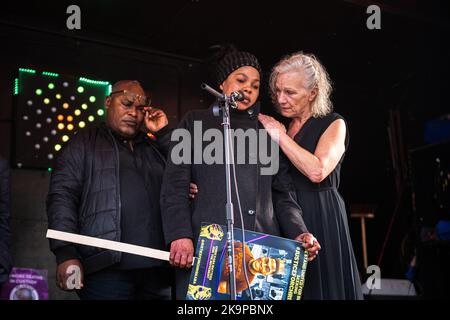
(106, 184)
(5, 234)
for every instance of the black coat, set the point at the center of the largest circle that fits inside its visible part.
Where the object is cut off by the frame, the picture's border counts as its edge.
(84, 195)
(5, 233)
(268, 201)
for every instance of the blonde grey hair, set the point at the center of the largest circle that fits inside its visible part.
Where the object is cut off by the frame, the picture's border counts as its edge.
(315, 76)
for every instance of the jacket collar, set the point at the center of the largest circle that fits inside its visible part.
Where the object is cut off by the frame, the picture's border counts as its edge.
(138, 138)
(249, 113)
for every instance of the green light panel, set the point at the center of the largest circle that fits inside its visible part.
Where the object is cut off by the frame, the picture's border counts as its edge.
(16, 86)
(50, 74)
(51, 108)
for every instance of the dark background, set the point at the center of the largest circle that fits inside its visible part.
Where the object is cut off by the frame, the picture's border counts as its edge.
(402, 67)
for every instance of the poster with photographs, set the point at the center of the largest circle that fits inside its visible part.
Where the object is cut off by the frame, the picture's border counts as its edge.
(267, 267)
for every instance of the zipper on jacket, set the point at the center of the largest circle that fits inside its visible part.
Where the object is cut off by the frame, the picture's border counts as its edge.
(119, 203)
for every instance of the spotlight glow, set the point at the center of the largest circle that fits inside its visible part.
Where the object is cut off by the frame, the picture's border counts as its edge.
(57, 147)
(77, 112)
(91, 118)
(80, 89)
(65, 138)
(58, 96)
(70, 127)
(60, 117)
(60, 126)
(38, 92)
(51, 86)
(100, 112)
(65, 105)
(69, 118)
(46, 100)
(82, 124)
(92, 99)
(84, 106)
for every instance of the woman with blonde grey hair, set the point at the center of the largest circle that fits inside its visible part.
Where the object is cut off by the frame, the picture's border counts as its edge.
(315, 143)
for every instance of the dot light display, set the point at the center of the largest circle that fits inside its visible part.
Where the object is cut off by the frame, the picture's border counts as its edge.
(50, 109)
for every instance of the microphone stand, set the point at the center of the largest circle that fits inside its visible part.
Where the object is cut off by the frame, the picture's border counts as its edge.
(227, 102)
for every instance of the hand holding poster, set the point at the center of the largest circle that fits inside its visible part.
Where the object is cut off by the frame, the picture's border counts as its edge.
(266, 267)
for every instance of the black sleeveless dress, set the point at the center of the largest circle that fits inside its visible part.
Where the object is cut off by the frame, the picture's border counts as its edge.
(334, 273)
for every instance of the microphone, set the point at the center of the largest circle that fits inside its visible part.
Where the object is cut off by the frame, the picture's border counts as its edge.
(218, 95)
(234, 97)
(237, 96)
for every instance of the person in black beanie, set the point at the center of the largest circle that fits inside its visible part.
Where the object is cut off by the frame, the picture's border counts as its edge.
(5, 234)
(267, 201)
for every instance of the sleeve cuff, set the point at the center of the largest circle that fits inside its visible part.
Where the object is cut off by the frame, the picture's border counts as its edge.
(162, 132)
(179, 235)
(65, 253)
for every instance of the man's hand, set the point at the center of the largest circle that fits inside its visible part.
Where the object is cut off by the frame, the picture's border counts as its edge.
(182, 253)
(155, 119)
(310, 243)
(193, 190)
(69, 275)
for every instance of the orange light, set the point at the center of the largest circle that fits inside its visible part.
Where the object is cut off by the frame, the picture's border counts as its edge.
(60, 117)
(65, 105)
(69, 118)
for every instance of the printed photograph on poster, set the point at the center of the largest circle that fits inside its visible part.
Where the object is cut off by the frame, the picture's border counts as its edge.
(267, 267)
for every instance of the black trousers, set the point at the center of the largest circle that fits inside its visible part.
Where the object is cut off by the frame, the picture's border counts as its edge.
(182, 278)
(142, 284)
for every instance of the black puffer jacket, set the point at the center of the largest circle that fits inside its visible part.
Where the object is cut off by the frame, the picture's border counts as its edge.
(84, 195)
(5, 234)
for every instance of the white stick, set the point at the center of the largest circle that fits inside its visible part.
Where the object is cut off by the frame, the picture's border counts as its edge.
(108, 244)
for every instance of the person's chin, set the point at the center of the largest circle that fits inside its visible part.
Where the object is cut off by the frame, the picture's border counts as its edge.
(286, 113)
(244, 106)
(128, 132)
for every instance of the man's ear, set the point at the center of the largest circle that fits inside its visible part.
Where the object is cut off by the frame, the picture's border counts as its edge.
(107, 102)
(221, 87)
